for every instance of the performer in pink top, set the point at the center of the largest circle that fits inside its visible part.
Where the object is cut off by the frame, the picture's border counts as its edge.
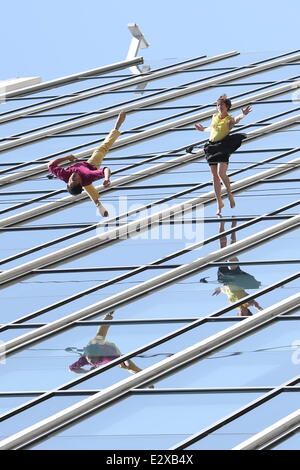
(81, 175)
(99, 351)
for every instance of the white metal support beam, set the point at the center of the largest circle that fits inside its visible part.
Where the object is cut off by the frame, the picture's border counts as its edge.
(121, 388)
(71, 78)
(13, 84)
(155, 75)
(136, 226)
(147, 102)
(142, 174)
(156, 283)
(138, 41)
(18, 176)
(274, 432)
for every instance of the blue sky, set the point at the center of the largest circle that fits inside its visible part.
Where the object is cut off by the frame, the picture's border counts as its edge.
(66, 36)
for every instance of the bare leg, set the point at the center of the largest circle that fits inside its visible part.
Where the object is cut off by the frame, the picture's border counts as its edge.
(222, 240)
(223, 175)
(103, 329)
(217, 188)
(233, 240)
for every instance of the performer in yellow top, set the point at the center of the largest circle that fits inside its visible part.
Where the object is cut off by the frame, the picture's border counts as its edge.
(221, 145)
(234, 280)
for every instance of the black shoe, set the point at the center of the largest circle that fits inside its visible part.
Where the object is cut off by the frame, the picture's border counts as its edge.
(189, 149)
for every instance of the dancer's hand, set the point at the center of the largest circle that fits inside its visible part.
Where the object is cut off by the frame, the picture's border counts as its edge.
(199, 127)
(72, 158)
(217, 291)
(246, 110)
(109, 316)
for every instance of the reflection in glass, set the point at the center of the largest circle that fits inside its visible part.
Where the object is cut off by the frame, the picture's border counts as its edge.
(99, 351)
(263, 358)
(235, 280)
(163, 418)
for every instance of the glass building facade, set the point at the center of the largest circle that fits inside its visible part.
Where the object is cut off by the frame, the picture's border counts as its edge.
(193, 359)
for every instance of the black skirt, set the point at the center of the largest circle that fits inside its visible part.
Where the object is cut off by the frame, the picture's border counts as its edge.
(237, 277)
(218, 152)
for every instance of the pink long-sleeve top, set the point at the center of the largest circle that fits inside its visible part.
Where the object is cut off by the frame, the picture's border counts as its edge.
(88, 172)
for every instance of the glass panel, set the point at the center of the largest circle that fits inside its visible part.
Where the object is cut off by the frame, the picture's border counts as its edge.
(48, 361)
(35, 414)
(155, 354)
(281, 247)
(7, 403)
(266, 357)
(18, 298)
(11, 333)
(254, 421)
(170, 416)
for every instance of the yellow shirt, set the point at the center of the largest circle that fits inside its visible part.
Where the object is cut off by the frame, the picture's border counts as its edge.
(219, 128)
(234, 293)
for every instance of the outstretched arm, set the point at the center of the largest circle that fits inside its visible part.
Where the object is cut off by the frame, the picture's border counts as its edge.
(199, 127)
(236, 120)
(57, 161)
(217, 291)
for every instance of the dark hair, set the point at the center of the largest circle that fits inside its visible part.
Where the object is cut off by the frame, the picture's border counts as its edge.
(74, 189)
(225, 100)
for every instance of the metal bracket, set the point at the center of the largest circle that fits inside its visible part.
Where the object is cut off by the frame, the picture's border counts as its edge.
(138, 41)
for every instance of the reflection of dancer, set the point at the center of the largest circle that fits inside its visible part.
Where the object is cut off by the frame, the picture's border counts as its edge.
(83, 174)
(99, 351)
(221, 146)
(234, 280)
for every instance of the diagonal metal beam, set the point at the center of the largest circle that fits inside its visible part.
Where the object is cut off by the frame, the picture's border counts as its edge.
(71, 78)
(144, 135)
(122, 388)
(156, 283)
(148, 102)
(132, 228)
(272, 433)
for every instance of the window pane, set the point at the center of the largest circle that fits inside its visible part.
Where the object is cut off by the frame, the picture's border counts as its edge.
(34, 414)
(251, 423)
(267, 357)
(166, 416)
